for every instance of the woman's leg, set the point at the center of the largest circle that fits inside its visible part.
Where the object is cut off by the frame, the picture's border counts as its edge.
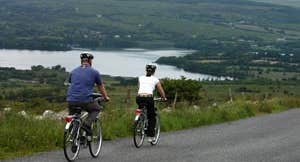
(151, 117)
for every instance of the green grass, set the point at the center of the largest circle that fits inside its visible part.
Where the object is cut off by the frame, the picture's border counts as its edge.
(188, 117)
(21, 136)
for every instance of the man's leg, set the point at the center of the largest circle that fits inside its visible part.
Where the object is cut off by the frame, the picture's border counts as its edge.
(93, 109)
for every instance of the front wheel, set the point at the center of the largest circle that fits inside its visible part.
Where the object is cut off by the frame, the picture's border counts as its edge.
(138, 133)
(157, 130)
(71, 142)
(95, 142)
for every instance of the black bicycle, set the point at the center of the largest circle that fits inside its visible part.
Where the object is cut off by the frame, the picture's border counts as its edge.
(75, 135)
(141, 125)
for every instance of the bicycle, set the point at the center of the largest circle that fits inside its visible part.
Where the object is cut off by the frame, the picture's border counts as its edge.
(75, 134)
(141, 125)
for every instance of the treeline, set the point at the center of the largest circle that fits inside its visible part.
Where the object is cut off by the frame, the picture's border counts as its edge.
(55, 75)
(63, 44)
(211, 68)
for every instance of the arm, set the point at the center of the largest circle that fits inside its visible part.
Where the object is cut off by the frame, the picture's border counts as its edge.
(103, 91)
(101, 86)
(161, 90)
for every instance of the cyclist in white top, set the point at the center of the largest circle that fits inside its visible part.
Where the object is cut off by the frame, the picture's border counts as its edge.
(147, 85)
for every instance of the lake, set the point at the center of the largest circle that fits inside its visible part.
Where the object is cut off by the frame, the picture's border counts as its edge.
(126, 63)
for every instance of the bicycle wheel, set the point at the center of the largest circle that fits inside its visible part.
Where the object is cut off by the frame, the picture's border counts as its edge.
(96, 141)
(138, 133)
(157, 130)
(71, 142)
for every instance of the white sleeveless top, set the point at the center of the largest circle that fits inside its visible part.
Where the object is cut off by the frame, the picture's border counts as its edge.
(147, 84)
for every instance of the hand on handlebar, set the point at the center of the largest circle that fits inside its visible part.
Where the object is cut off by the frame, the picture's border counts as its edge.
(106, 98)
(161, 99)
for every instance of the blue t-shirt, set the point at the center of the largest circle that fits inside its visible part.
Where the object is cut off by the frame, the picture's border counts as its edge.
(83, 80)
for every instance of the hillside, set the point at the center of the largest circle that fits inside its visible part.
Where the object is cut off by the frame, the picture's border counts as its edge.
(65, 24)
(292, 3)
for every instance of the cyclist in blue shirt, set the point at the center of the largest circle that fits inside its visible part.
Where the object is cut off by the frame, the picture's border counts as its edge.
(83, 80)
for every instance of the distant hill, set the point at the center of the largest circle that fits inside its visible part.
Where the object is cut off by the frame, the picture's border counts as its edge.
(292, 3)
(64, 24)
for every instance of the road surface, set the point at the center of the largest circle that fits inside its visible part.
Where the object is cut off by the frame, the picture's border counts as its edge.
(274, 137)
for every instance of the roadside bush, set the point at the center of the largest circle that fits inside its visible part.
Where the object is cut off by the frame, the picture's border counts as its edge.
(186, 89)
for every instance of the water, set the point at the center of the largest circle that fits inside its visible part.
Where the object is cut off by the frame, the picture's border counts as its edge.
(126, 63)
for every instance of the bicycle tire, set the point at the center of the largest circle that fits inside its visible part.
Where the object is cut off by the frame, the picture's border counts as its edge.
(157, 130)
(95, 144)
(138, 131)
(71, 136)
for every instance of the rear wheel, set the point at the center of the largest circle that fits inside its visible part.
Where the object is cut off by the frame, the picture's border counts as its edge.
(71, 142)
(157, 130)
(138, 133)
(95, 142)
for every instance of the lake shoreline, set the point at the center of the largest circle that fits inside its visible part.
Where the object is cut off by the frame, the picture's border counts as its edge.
(128, 62)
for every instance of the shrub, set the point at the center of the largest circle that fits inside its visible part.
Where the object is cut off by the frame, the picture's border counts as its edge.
(265, 107)
(186, 89)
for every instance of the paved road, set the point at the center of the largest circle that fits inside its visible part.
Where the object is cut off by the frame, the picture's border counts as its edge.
(267, 138)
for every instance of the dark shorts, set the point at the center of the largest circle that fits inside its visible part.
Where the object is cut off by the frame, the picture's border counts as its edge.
(86, 106)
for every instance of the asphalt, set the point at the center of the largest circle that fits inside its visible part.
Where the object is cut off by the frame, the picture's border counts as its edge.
(266, 138)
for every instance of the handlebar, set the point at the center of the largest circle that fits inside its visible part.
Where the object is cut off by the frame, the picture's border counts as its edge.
(99, 97)
(159, 99)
